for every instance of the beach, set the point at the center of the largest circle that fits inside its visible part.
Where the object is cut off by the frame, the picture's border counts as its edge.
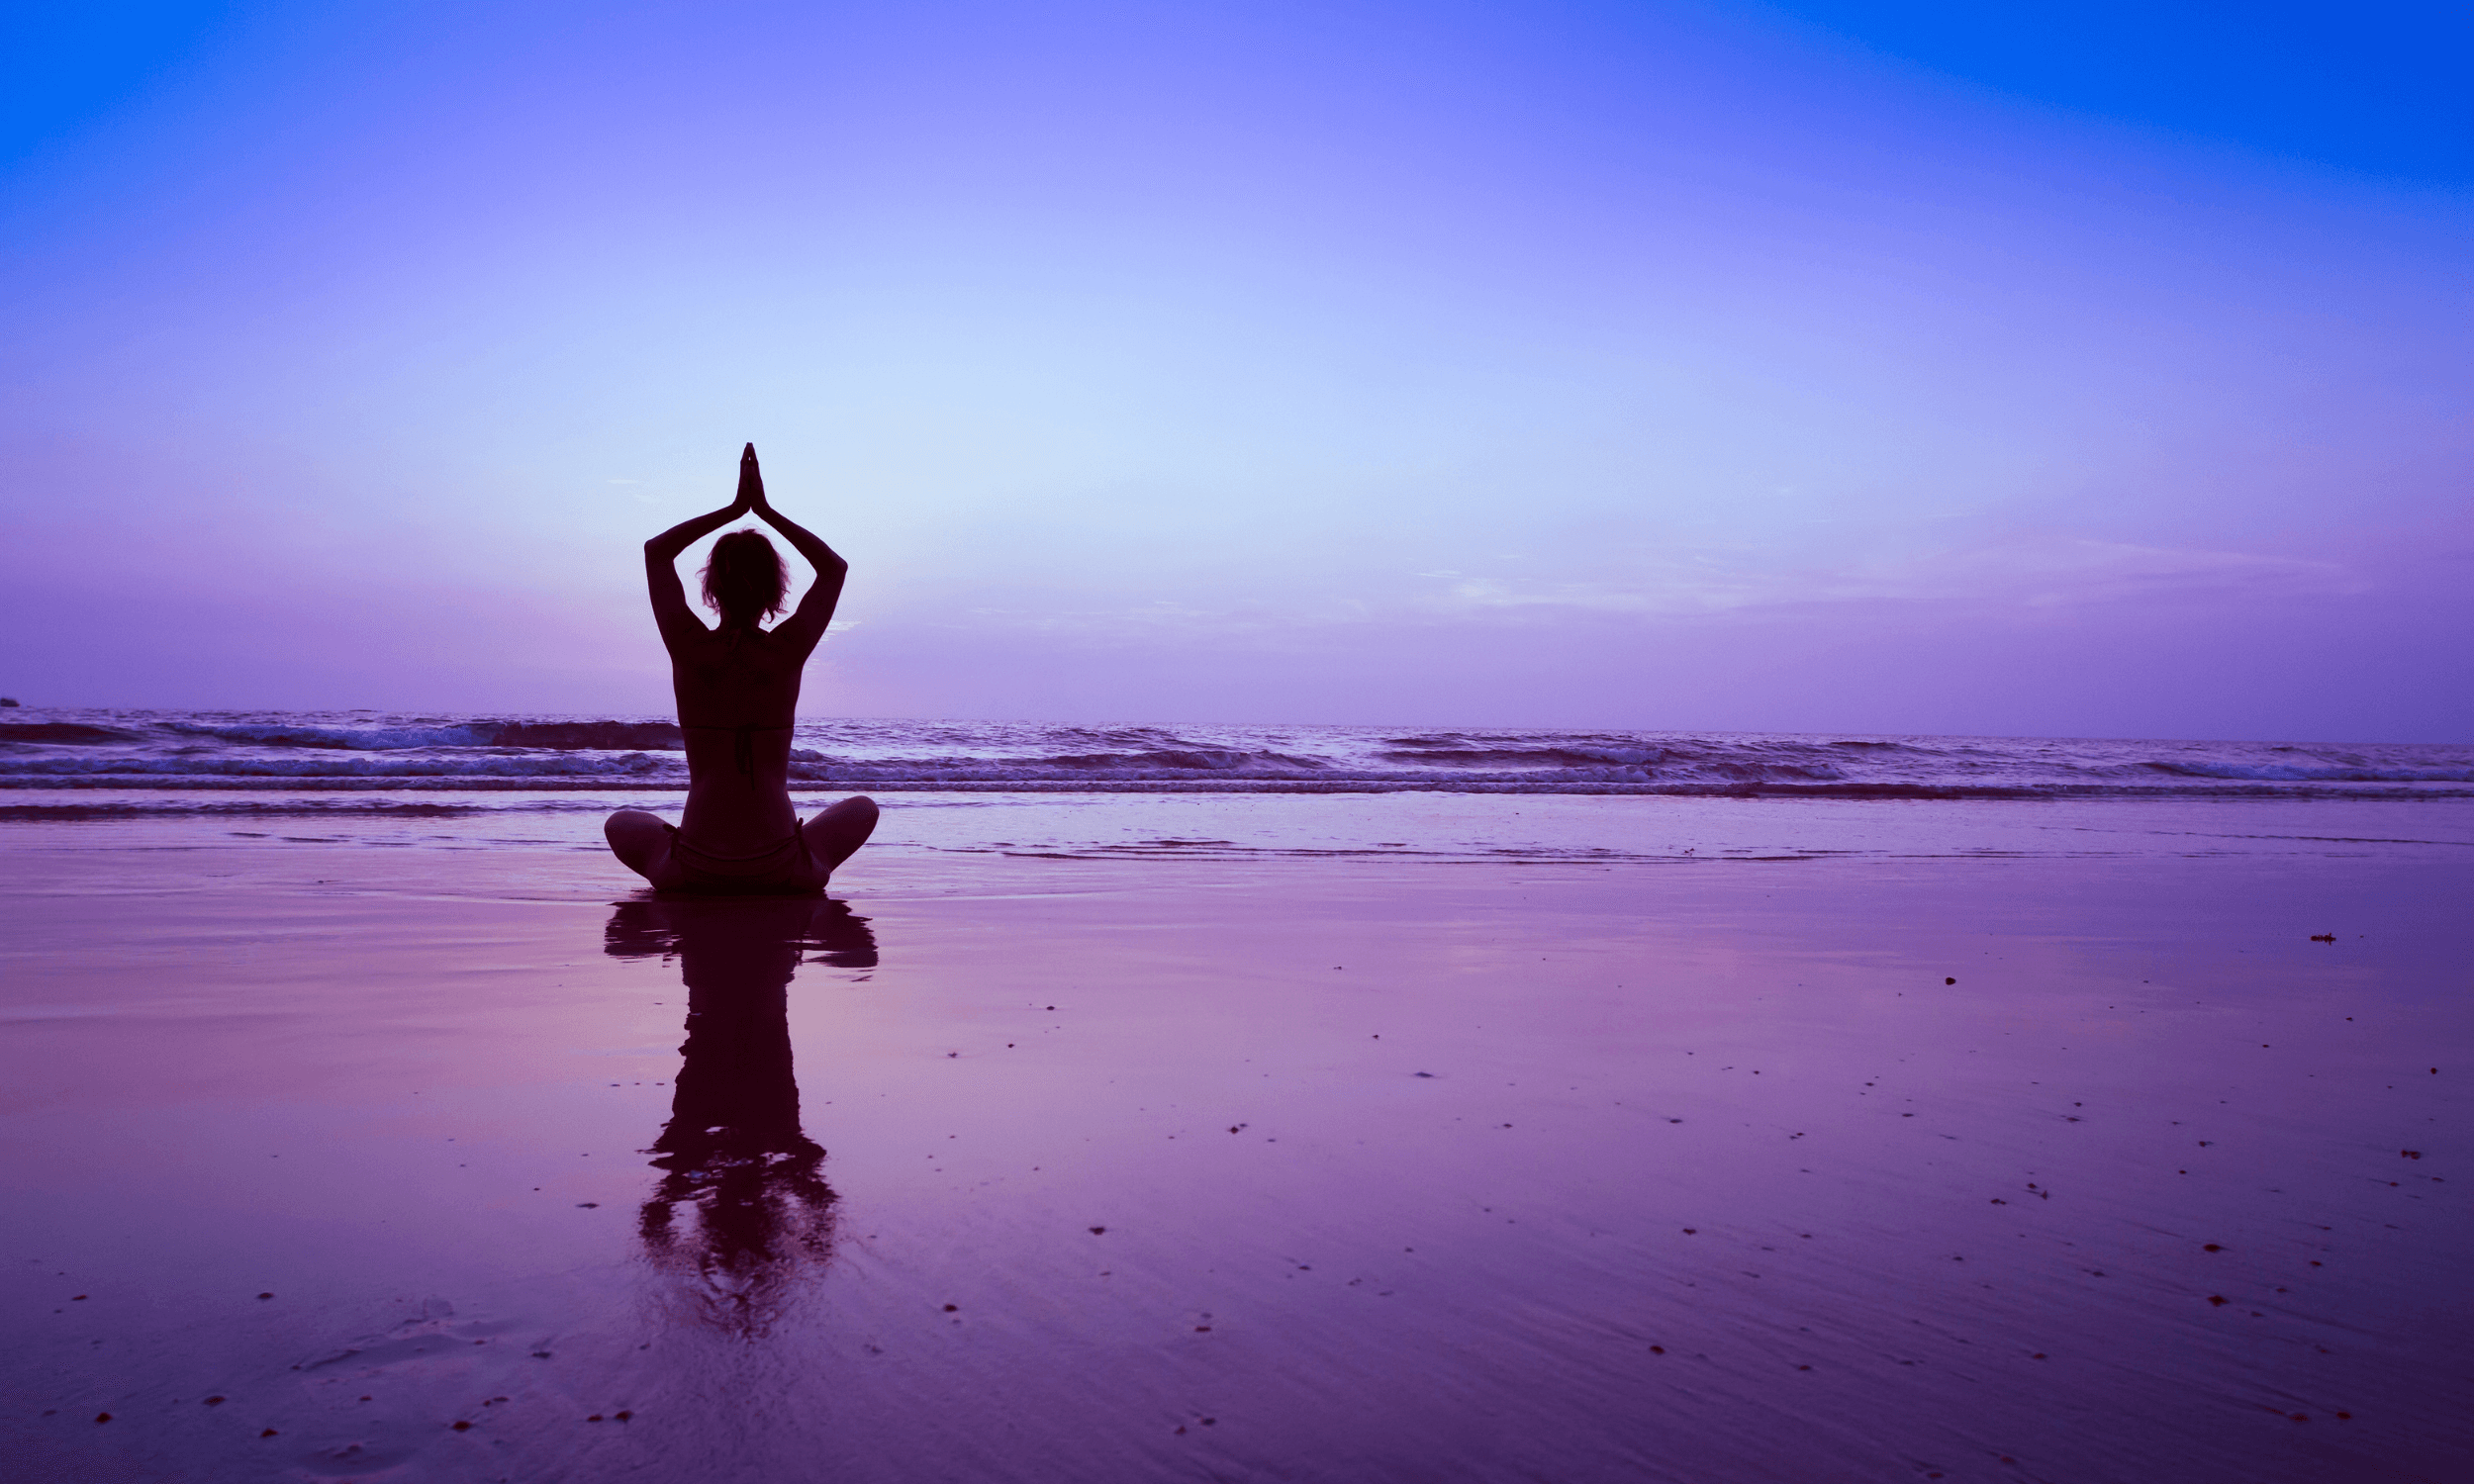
(1491, 744)
(1403, 1136)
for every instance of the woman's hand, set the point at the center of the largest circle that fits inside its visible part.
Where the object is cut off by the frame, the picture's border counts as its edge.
(665, 548)
(751, 496)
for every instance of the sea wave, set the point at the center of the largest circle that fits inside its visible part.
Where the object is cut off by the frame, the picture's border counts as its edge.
(546, 735)
(650, 736)
(2357, 773)
(100, 751)
(64, 731)
(624, 765)
(1455, 751)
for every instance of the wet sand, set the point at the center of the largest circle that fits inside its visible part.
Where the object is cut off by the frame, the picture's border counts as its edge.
(1017, 1168)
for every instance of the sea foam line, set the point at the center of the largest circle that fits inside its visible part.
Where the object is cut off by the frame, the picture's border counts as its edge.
(635, 786)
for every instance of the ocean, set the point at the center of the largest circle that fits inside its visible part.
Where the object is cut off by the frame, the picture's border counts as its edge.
(146, 761)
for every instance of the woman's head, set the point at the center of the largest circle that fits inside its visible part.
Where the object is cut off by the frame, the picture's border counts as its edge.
(744, 578)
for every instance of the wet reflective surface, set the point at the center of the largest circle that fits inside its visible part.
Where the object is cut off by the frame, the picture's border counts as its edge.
(742, 1206)
(1307, 1168)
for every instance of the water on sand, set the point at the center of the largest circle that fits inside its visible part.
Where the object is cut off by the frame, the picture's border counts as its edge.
(1068, 1144)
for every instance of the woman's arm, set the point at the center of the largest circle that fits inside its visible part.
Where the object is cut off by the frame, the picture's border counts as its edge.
(816, 608)
(661, 558)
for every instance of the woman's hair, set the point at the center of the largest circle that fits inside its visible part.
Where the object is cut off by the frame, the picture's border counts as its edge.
(744, 576)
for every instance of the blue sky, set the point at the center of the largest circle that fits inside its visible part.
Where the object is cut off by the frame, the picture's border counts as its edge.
(1818, 367)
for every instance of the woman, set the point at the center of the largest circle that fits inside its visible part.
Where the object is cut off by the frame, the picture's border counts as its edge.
(738, 688)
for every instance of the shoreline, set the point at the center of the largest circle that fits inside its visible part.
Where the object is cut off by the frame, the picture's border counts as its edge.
(465, 783)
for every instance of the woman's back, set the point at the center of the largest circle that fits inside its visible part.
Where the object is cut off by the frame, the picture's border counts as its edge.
(737, 678)
(737, 692)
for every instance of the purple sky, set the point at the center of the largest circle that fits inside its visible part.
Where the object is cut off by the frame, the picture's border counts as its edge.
(1699, 366)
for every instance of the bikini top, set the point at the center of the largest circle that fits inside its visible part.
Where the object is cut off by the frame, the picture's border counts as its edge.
(744, 749)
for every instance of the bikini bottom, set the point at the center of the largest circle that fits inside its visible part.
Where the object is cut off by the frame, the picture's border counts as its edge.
(784, 867)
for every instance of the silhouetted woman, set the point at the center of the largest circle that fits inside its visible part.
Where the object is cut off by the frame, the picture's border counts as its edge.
(737, 687)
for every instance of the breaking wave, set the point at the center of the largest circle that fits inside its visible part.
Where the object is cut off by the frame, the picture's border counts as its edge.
(98, 751)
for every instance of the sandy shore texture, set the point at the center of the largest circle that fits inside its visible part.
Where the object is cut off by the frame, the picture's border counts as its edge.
(345, 1157)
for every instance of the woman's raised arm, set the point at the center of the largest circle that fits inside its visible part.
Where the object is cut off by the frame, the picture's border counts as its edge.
(661, 555)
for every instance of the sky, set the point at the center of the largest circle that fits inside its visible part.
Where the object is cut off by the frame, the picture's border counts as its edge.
(2086, 370)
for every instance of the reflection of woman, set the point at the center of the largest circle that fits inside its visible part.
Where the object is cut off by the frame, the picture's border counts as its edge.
(735, 1161)
(737, 687)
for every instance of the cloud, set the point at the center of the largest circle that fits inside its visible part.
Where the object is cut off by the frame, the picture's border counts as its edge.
(2055, 571)
(2022, 573)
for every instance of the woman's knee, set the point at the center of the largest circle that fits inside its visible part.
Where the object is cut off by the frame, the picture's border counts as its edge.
(855, 815)
(631, 833)
(834, 833)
